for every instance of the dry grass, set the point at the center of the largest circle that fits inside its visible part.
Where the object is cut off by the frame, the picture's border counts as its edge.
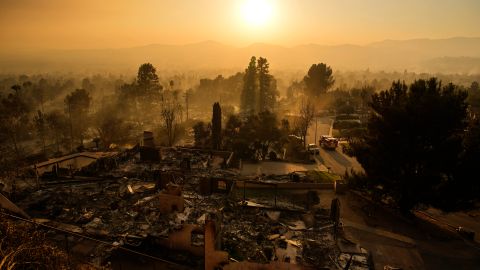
(22, 246)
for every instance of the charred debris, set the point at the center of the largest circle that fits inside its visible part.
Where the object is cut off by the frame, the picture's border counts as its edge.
(179, 208)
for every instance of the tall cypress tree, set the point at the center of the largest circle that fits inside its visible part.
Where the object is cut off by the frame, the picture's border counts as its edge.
(216, 126)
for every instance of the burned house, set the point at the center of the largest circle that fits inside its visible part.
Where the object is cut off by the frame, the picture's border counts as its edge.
(204, 217)
(69, 164)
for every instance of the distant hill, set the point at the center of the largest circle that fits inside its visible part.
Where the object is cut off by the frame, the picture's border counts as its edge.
(453, 55)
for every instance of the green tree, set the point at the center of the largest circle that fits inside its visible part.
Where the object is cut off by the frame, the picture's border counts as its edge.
(318, 80)
(217, 126)
(226, 90)
(474, 97)
(14, 119)
(250, 86)
(232, 129)
(246, 141)
(145, 92)
(267, 89)
(253, 137)
(41, 129)
(77, 106)
(413, 141)
(462, 191)
(267, 132)
(39, 93)
(238, 138)
(201, 134)
(147, 78)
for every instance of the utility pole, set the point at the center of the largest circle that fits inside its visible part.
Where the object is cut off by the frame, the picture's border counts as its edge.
(315, 130)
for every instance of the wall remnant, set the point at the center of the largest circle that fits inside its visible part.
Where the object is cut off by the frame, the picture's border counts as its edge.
(171, 199)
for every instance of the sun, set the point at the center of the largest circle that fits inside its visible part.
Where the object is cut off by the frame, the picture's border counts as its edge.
(257, 12)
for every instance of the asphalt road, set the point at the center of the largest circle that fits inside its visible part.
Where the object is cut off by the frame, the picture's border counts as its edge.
(336, 161)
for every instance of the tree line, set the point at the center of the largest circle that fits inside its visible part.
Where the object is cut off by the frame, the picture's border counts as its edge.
(255, 132)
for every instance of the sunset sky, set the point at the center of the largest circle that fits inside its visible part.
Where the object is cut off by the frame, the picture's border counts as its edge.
(27, 24)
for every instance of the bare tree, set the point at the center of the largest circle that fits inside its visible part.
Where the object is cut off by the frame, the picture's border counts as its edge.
(307, 113)
(170, 114)
(77, 106)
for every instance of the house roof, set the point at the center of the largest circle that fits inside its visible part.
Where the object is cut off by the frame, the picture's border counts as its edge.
(92, 155)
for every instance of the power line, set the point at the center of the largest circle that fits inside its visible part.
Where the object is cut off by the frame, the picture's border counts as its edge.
(90, 238)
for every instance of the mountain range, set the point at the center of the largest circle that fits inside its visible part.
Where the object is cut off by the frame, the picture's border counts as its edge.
(452, 55)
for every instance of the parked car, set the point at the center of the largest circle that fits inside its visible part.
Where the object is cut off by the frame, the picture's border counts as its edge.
(313, 149)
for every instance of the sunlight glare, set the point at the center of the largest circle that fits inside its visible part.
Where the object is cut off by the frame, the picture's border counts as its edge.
(257, 12)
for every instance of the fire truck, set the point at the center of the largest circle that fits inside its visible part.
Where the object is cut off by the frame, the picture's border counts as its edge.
(328, 142)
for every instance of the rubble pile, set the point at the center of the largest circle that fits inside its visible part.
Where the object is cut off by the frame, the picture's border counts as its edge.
(171, 159)
(127, 209)
(203, 205)
(244, 235)
(268, 197)
(263, 236)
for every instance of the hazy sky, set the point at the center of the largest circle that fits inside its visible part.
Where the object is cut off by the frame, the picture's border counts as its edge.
(126, 23)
